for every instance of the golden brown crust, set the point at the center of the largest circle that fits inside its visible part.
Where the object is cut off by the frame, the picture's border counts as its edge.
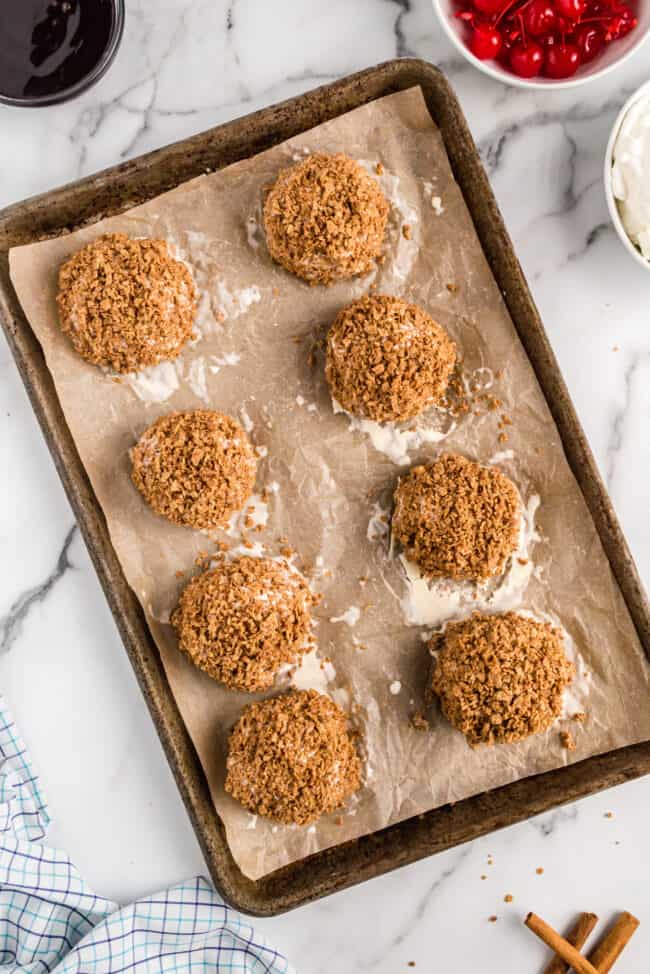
(292, 759)
(126, 304)
(500, 678)
(457, 519)
(387, 359)
(241, 621)
(325, 219)
(194, 468)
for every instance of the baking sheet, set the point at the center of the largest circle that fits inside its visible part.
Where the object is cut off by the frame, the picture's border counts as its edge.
(330, 477)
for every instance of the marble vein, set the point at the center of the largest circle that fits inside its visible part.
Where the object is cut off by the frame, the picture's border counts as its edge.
(419, 909)
(11, 624)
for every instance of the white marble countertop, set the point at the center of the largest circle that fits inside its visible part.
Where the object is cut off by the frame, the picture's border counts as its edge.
(185, 65)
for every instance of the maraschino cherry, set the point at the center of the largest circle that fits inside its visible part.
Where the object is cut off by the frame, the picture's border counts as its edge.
(562, 60)
(526, 58)
(486, 42)
(548, 37)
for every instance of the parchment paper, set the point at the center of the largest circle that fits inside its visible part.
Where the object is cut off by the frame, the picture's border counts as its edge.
(329, 477)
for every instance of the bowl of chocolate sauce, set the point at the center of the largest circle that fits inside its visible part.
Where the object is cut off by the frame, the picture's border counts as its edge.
(52, 50)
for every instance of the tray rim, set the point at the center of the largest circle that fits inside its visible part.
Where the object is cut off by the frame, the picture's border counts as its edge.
(440, 828)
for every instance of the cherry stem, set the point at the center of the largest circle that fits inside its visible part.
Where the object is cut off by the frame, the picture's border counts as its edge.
(509, 6)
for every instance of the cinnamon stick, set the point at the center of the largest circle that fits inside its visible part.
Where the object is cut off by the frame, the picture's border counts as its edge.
(577, 937)
(607, 950)
(559, 945)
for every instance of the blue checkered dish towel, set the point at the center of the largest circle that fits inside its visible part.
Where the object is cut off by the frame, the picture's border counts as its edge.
(51, 921)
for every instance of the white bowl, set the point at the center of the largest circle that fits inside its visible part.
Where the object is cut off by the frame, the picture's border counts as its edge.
(614, 54)
(612, 206)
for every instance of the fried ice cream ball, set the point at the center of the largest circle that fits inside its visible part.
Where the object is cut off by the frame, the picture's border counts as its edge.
(195, 468)
(387, 359)
(292, 759)
(457, 519)
(500, 678)
(242, 620)
(325, 219)
(126, 304)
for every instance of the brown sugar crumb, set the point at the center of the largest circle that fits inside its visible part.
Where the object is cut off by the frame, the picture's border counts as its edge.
(286, 551)
(539, 870)
(457, 519)
(244, 619)
(567, 741)
(411, 963)
(291, 758)
(508, 898)
(452, 288)
(500, 678)
(379, 169)
(493, 919)
(609, 814)
(419, 722)
(387, 359)
(325, 219)
(180, 573)
(483, 876)
(195, 468)
(502, 438)
(407, 232)
(126, 304)
(580, 716)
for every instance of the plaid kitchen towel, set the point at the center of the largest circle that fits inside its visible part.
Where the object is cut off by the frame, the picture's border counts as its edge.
(51, 921)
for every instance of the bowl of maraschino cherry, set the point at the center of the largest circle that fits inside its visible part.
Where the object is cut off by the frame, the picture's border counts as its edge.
(545, 43)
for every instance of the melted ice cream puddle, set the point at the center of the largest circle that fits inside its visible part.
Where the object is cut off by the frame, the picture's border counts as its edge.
(350, 617)
(155, 384)
(429, 602)
(403, 251)
(234, 303)
(390, 439)
(311, 673)
(160, 382)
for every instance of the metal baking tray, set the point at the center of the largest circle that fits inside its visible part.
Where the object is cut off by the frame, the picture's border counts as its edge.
(131, 183)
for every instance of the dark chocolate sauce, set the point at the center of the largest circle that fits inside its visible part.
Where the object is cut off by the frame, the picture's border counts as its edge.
(48, 46)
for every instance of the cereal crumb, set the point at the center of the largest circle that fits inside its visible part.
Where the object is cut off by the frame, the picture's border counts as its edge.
(539, 870)
(407, 232)
(567, 741)
(609, 814)
(493, 919)
(508, 898)
(418, 721)
(580, 716)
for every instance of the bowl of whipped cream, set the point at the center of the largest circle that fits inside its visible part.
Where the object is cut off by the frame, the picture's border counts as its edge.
(627, 175)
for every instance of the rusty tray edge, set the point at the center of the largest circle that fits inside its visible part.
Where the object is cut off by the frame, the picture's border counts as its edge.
(139, 179)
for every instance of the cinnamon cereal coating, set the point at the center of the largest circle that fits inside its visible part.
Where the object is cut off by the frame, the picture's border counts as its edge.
(126, 304)
(241, 621)
(195, 468)
(387, 359)
(457, 519)
(292, 759)
(325, 219)
(500, 678)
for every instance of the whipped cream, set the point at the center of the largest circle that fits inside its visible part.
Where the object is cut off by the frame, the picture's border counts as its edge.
(631, 174)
